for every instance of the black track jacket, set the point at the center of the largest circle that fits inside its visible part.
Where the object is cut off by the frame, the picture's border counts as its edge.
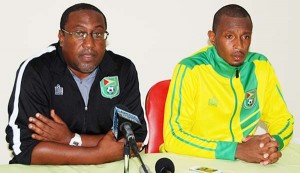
(44, 82)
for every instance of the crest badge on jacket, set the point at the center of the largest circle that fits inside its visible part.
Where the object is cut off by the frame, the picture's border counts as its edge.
(250, 99)
(110, 87)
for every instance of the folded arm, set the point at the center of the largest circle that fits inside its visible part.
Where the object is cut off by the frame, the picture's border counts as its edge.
(107, 150)
(56, 130)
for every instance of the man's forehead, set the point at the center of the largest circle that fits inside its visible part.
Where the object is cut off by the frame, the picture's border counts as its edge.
(82, 17)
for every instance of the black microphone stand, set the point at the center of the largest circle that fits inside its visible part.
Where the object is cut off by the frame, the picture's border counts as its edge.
(126, 156)
(136, 153)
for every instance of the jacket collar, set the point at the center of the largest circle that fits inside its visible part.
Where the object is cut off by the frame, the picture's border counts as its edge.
(222, 67)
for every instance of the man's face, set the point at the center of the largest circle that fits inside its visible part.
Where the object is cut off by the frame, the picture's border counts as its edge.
(83, 56)
(232, 39)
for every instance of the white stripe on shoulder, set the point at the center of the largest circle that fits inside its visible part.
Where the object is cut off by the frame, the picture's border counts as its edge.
(15, 112)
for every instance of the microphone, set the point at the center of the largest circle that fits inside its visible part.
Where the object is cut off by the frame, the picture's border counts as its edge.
(126, 129)
(127, 120)
(164, 165)
(120, 115)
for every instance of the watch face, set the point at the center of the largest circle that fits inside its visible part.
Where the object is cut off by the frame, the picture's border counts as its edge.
(75, 143)
(76, 140)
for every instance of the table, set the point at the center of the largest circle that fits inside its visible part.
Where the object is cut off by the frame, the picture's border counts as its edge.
(289, 163)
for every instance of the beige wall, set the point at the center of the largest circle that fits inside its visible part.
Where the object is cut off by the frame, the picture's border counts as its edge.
(155, 34)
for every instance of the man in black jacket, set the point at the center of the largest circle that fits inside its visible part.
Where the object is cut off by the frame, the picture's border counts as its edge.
(60, 107)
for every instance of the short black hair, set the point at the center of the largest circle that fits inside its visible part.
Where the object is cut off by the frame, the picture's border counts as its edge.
(231, 10)
(77, 7)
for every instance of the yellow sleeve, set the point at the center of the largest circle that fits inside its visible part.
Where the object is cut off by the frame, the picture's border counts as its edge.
(275, 115)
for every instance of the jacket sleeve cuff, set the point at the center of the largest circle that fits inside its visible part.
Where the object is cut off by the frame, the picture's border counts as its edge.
(279, 140)
(226, 150)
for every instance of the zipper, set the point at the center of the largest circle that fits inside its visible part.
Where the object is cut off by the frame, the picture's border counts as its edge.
(235, 104)
(237, 72)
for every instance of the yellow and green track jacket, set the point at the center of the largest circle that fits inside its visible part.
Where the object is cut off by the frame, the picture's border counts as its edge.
(211, 106)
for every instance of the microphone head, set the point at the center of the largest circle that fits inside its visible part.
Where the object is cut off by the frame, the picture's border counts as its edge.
(120, 114)
(113, 110)
(164, 165)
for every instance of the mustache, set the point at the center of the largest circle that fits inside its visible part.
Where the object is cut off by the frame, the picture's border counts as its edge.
(238, 52)
(88, 52)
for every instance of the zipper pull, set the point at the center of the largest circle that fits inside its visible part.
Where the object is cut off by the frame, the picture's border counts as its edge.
(236, 72)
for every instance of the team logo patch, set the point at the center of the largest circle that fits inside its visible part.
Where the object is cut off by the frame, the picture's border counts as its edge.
(250, 99)
(110, 87)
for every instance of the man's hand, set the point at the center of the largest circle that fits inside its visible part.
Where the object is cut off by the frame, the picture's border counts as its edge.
(261, 149)
(110, 148)
(272, 151)
(46, 129)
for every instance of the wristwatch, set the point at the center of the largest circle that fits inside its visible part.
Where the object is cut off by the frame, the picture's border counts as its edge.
(76, 140)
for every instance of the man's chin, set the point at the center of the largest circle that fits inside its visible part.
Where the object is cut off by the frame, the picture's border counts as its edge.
(87, 69)
(237, 64)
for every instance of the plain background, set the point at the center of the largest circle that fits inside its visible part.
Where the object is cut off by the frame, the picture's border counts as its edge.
(155, 35)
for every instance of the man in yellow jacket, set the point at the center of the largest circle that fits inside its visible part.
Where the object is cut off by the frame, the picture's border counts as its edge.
(218, 95)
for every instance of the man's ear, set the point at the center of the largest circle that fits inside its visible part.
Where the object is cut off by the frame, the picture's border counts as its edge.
(61, 38)
(211, 35)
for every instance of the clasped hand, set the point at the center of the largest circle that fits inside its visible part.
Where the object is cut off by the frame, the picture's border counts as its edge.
(261, 149)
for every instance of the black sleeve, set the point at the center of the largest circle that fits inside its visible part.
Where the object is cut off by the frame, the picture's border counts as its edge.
(131, 98)
(28, 97)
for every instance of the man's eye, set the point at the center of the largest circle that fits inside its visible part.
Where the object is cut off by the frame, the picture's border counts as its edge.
(79, 33)
(97, 34)
(228, 36)
(247, 37)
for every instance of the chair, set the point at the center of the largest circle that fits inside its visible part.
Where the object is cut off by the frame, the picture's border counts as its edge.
(154, 106)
